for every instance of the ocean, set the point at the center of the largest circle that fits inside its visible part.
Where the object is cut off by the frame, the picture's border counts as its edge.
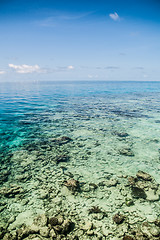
(87, 151)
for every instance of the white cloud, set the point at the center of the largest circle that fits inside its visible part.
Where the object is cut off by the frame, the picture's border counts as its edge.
(92, 76)
(145, 75)
(70, 67)
(112, 67)
(2, 72)
(26, 68)
(114, 16)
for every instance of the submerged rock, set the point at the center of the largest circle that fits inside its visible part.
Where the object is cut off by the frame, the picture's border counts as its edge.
(60, 226)
(138, 193)
(99, 216)
(10, 236)
(106, 231)
(23, 232)
(55, 227)
(95, 209)
(2, 208)
(61, 158)
(143, 175)
(149, 230)
(126, 152)
(61, 140)
(112, 182)
(88, 226)
(53, 221)
(44, 231)
(157, 222)
(92, 186)
(132, 181)
(2, 232)
(152, 195)
(23, 177)
(127, 237)
(121, 134)
(41, 220)
(144, 186)
(12, 219)
(43, 194)
(67, 226)
(11, 191)
(58, 229)
(72, 185)
(60, 219)
(118, 218)
(53, 234)
(4, 176)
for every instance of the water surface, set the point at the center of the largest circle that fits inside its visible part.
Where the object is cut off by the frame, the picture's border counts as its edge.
(114, 127)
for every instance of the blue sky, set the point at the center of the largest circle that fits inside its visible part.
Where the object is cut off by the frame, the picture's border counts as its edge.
(79, 40)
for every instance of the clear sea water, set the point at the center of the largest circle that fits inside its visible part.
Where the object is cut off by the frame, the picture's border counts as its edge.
(102, 118)
(91, 111)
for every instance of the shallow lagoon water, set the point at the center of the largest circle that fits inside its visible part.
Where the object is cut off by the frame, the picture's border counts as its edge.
(115, 129)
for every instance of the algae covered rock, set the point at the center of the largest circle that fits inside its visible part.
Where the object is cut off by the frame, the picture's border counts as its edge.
(60, 225)
(95, 209)
(53, 221)
(11, 191)
(144, 186)
(138, 193)
(41, 220)
(118, 218)
(121, 134)
(126, 152)
(61, 140)
(61, 158)
(72, 185)
(4, 176)
(9, 236)
(44, 231)
(112, 182)
(143, 175)
(127, 237)
(67, 226)
(132, 181)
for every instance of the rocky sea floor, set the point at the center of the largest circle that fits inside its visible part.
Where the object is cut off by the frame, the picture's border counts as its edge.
(86, 171)
(48, 194)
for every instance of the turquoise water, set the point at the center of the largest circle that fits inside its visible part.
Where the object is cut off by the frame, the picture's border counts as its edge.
(115, 131)
(34, 111)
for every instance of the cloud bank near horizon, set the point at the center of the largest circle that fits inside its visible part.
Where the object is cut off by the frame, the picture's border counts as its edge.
(24, 68)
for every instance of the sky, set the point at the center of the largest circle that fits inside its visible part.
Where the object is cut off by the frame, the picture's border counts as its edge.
(48, 40)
